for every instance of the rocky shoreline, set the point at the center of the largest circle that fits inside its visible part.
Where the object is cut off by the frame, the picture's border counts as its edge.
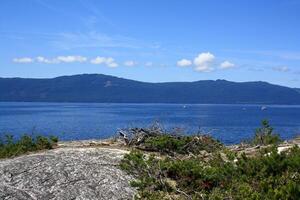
(74, 170)
(78, 170)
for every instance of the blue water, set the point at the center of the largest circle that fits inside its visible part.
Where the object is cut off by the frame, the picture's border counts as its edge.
(72, 121)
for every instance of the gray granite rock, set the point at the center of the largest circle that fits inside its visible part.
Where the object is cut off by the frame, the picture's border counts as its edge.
(65, 173)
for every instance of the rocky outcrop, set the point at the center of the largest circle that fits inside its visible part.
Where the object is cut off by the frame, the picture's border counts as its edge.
(66, 173)
(80, 170)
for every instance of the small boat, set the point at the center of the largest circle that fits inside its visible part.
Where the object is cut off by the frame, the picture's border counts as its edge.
(263, 108)
(184, 106)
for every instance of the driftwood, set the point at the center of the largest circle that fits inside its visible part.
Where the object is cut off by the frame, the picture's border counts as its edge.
(137, 136)
(194, 145)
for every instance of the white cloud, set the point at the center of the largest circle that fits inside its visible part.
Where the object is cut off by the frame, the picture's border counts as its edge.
(69, 59)
(148, 64)
(184, 63)
(226, 65)
(113, 64)
(61, 59)
(23, 60)
(42, 59)
(98, 60)
(130, 63)
(203, 62)
(108, 61)
(281, 69)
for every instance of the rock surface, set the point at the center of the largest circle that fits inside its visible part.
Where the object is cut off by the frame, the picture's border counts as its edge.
(65, 173)
(86, 169)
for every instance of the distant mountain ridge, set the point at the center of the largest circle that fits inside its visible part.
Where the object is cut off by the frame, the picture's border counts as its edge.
(110, 89)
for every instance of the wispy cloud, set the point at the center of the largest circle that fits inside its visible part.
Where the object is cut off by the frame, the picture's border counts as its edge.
(97, 16)
(93, 40)
(108, 61)
(84, 40)
(286, 55)
(130, 63)
(149, 64)
(281, 69)
(184, 63)
(227, 65)
(291, 56)
(90, 18)
(58, 59)
(69, 59)
(42, 59)
(89, 21)
(23, 60)
(255, 69)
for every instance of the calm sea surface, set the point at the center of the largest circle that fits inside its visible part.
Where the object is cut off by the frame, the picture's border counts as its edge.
(70, 121)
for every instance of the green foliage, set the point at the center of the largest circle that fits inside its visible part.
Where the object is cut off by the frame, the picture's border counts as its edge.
(267, 176)
(53, 139)
(10, 147)
(167, 143)
(182, 144)
(224, 175)
(264, 135)
(146, 167)
(43, 143)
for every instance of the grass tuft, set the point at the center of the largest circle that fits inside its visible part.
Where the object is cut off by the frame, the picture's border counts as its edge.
(11, 148)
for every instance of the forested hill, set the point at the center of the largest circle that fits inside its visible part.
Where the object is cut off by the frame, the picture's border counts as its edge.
(103, 88)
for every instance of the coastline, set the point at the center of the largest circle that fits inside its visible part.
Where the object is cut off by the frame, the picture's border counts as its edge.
(82, 169)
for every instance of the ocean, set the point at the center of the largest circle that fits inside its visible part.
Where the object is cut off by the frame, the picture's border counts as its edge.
(73, 121)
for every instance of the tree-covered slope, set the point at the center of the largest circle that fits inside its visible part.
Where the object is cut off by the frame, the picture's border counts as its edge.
(103, 88)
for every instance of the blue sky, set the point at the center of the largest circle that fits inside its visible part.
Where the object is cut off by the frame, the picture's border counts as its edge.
(152, 40)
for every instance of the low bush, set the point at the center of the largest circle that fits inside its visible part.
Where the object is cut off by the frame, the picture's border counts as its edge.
(225, 175)
(182, 144)
(10, 147)
(265, 135)
(271, 176)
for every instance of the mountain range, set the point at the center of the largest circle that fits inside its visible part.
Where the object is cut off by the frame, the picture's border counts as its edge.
(110, 89)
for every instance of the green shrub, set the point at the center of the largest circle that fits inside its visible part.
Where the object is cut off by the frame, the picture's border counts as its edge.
(10, 147)
(53, 139)
(267, 176)
(171, 144)
(265, 135)
(43, 143)
(224, 175)
(167, 143)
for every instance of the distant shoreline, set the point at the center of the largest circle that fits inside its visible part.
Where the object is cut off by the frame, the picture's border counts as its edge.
(100, 88)
(216, 104)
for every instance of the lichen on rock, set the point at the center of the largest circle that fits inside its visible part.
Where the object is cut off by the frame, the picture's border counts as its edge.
(66, 173)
